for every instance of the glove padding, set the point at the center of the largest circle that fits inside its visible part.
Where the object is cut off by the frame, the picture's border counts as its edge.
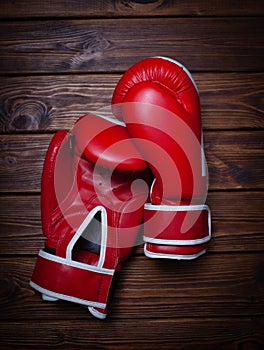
(94, 187)
(158, 100)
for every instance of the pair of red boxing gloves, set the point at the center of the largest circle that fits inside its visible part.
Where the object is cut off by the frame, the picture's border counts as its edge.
(109, 179)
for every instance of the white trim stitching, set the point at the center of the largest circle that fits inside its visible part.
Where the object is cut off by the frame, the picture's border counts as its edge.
(112, 120)
(188, 242)
(149, 206)
(82, 228)
(76, 264)
(96, 313)
(66, 297)
(177, 241)
(172, 256)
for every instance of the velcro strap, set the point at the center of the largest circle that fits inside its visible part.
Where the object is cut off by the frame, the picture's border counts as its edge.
(177, 225)
(71, 280)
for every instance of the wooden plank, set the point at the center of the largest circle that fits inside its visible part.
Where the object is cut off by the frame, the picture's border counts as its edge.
(215, 285)
(228, 100)
(52, 103)
(183, 334)
(234, 160)
(219, 44)
(231, 100)
(20, 225)
(237, 221)
(21, 161)
(128, 8)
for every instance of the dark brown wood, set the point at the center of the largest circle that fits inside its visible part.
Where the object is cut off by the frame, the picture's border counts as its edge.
(128, 8)
(62, 59)
(22, 159)
(228, 101)
(237, 219)
(214, 285)
(234, 160)
(220, 44)
(183, 334)
(20, 225)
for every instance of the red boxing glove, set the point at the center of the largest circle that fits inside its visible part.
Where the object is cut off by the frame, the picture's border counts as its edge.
(94, 187)
(159, 102)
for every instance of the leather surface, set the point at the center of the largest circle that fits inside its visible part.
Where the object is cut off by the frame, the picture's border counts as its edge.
(159, 102)
(79, 176)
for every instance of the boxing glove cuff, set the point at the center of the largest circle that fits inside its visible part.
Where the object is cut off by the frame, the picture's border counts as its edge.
(58, 277)
(182, 225)
(46, 281)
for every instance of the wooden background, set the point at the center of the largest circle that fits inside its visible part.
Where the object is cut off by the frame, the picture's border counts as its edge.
(61, 59)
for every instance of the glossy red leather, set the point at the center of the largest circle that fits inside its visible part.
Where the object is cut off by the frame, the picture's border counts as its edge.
(84, 175)
(159, 102)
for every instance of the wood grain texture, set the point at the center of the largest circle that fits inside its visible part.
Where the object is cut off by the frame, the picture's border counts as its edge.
(235, 160)
(243, 333)
(237, 220)
(22, 158)
(48, 103)
(62, 59)
(128, 8)
(20, 225)
(211, 286)
(219, 44)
